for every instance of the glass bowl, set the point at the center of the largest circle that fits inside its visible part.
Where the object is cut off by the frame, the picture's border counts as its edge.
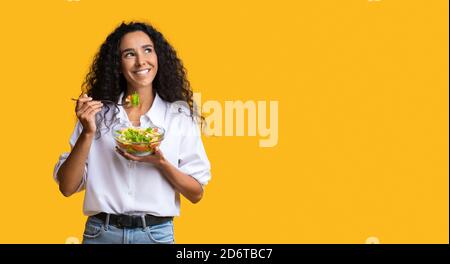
(136, 140)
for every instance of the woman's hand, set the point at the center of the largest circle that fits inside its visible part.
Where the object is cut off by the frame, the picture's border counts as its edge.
(157, 158)
(86, 110)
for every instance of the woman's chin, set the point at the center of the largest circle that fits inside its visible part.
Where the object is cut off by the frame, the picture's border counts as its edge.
(143, 83)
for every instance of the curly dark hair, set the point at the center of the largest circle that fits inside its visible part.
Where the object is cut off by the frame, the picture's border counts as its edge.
(105, 81)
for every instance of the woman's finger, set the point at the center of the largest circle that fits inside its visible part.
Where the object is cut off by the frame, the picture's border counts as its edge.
(127, 155)
(89, 106)
(86, 105)
(81, 100)
(93, 111)
(87, 115)
(158, 152)
(82, 108)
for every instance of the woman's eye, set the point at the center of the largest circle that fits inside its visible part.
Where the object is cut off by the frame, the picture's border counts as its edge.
(128, 54)
(148, 50)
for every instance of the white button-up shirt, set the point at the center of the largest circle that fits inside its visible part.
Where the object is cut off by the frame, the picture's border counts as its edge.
(116, 185)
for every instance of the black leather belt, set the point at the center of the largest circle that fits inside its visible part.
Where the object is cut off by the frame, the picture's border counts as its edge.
(133, 221)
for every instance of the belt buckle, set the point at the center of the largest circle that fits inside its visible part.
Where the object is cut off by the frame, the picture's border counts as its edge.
(127, 221)
(124, 221)
(119, 222)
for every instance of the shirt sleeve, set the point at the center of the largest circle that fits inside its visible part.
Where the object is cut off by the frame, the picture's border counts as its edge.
(73, 139)
(192, 158)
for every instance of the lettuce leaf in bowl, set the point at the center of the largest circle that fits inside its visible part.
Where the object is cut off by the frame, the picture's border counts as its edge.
(139, 135)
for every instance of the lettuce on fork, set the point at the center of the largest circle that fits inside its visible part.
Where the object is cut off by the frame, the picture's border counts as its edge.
(133, 99)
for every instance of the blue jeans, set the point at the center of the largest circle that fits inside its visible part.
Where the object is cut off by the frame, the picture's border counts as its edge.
(98, 232)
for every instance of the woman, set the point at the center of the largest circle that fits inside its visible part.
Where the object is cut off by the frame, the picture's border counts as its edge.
(133, 199)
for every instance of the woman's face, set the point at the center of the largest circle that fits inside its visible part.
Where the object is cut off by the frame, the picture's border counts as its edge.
(138, 59)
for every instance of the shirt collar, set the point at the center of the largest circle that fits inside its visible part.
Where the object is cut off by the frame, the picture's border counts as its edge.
(156, 114)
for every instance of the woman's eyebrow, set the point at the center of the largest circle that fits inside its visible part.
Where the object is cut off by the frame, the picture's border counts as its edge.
(125, 50)
(131, 49)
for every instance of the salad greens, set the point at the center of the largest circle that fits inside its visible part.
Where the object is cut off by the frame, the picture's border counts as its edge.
(139, 135)
(133, 99)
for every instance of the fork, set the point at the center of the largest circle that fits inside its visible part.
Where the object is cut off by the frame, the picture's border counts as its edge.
(106, 101)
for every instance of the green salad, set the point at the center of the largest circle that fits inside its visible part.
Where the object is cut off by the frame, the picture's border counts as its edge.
(139, 135)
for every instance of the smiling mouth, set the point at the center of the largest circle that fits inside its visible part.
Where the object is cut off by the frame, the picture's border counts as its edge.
(142, 72)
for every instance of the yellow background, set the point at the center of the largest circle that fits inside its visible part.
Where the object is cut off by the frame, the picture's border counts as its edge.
(363, 115)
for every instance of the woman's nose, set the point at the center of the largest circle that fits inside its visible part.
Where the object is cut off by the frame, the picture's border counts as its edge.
(140, 61)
